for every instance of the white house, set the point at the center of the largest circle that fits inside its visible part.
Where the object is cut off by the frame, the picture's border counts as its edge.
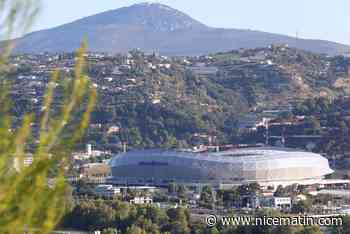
(141, 200)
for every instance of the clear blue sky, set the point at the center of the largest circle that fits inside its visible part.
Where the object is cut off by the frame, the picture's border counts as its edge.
(318, 19)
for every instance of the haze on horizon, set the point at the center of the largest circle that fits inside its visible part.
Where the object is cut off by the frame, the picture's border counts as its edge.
(310, 19)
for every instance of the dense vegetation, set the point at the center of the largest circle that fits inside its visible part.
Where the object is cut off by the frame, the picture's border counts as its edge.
(114, 216)
(168, 107)
(332, 120)
(191, 100)
(33, 197)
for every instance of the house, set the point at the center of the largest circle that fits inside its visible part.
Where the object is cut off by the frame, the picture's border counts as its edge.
(141, 200)
(280, 203)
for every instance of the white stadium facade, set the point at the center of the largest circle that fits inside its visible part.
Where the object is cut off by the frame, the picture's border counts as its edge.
(269, 166)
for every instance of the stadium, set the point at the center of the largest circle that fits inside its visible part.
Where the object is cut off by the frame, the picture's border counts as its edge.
(238, 166)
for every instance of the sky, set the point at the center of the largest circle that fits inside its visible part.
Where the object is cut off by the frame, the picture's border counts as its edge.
(312, 19)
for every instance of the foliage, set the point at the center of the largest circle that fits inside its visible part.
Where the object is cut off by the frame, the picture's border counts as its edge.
(109, 231)
(126, 218)
(33, 198)
(249, 189)
(344, 228)
(22, 187)
(207, 197)
(302, 206)
(229, 197)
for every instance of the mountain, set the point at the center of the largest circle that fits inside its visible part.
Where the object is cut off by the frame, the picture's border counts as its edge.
(154, 27)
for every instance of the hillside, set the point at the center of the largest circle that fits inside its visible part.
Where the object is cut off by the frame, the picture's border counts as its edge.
(156, 101)
(159, 28)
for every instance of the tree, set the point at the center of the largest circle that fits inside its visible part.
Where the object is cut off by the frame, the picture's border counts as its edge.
(90, 215)
(285, 230)
(302, 206)
(311, 230)
(147, 225)
(34, 197)
(250, 189)
(314, 125)
(179, 221)
(229, 197)
(179, 228)
(181, 191)
(207, 194)
(213, 230)
(135, 230)
(280, 191)
(156, 215)
(109, 231)
(344, 228)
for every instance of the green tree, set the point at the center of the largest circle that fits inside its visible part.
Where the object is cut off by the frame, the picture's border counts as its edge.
(311, 230)
(179, 221)
(156, 215)
(214, 230)
(280, 191)
(229, 197)
(302, 206)
(181, 191)
(91, 215)
(34, 197)
(207, 194)
(109, 231)
(135, 230)
(179, 228)
(344, 228)
(250, 189)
